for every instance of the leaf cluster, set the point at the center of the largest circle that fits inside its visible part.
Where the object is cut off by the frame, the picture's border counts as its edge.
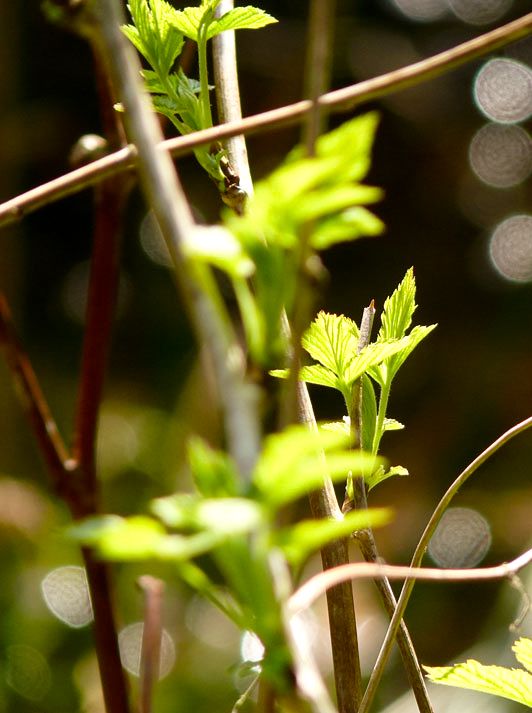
(332, 341)
(158, 32)
(237, 528)
(320, 198)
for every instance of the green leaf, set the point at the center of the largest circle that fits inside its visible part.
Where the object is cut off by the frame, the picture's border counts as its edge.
(338, 426)
(292, 463)
(250, 18)
(523, 652)
(317, 374)
(300, 540)
(218, 516)
(218, 246)
(155, 33)
(349, 224)
(331, 200)
(113, 537)
(380, 474)
(514, 684)
(390, 424)
(332, 340)
(214, 473)
(370, 356)
(179, 97)
(398, 309)
(395, 320)
(188, 21)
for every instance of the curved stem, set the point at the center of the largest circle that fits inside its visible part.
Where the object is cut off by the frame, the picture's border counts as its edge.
(420, 551)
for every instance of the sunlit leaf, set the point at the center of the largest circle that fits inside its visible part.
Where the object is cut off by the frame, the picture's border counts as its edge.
(332, 340)
(349, 224)
(250, 18)
(320, 375)
(219, 516)
(523, 652)
(380, 474)
(514, 684)
(370, 356)
(300, 540)
(292, 463)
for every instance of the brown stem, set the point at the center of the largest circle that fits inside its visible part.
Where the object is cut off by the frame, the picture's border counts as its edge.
(105, 636)
(420, 551)
(317, 585)
(110, 201)
(339, 100)
(151, 638)
(36, 409)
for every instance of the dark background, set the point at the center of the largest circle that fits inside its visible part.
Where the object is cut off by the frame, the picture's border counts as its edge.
(466, 384)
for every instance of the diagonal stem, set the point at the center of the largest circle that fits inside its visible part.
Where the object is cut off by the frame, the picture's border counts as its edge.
(420, 551)
(366, 539)
(340, 100)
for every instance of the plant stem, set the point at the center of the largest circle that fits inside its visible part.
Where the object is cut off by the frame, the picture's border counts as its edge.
(365, 538)
(228, 97)
(337, 101)
(165, 195)
(420, 551)
(205, 100)
(316, 586)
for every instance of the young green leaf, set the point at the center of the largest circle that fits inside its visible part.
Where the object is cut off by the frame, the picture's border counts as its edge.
(218, 516)
(292, 463)
(240, 18)
(514, 684)
(395, 321)
(300, 540)
(332, 340)
(522, 649)
(379, 474)
(155, 33)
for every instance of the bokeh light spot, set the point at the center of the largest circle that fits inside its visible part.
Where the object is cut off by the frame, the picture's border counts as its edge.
(421, 10)
(501, 155)
(66, 594)
(503, 91)
(479, 12)
(152, 241)
(130, 644)
(27, 672)
(511, 248)
(75, 289)
(208, 624)
(461, 540)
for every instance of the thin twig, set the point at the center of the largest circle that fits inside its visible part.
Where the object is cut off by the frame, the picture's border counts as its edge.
(340, 100)
(366, 539)
(228, 97)
(36, 409)
(420, 551)
(317, 585)
(340, 601)
(153, 589)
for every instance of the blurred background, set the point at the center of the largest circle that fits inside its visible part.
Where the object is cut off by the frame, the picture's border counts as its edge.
(454, 157)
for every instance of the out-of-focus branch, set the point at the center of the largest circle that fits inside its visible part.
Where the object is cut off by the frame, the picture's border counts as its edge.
(317, 585)
(165, 195)
(340, 100)
(37, 412)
